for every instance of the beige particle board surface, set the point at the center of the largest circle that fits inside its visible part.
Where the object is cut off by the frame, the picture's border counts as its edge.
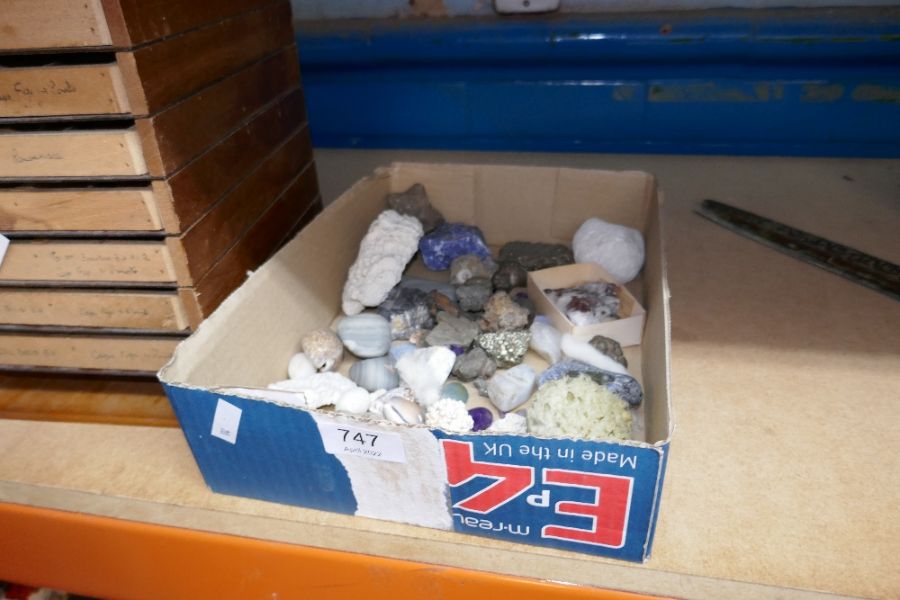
(785, 463)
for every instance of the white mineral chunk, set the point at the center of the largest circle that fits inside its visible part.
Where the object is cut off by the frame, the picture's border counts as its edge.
(425, 370)
(390, 243)
(509, 423)
(300, 366)
(510, 389)
(317, 390)
(586, 353)
(449, 415)
(355, 401)
(616, 248)
(545, 340)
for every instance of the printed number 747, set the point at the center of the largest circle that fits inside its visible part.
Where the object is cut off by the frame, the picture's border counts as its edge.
(359, 437)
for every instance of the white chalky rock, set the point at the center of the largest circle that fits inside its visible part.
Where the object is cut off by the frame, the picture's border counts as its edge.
(390, 243)
(449, 415)
(616, 248)
(425, 370)
(545, 340)
(300, 366)
(509, 423)
(586, 353)
(317, 390)
(510, 389)
(355, 401)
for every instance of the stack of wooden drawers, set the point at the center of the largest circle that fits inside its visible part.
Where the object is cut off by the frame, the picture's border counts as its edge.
(152, 152)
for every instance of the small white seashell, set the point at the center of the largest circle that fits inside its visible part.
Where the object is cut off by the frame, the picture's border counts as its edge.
(425, 370)
(355, 401)
(323, 348)
(510, 389)
(300, 366)
(400, 410)
(545, 340)
(586, 353)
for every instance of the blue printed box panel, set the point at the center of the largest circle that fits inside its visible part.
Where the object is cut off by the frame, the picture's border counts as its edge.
(593, 497)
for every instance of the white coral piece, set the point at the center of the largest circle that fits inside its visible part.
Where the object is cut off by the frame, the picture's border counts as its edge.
(390, 243)
(509, 423)
(449, 415)
(317, 390)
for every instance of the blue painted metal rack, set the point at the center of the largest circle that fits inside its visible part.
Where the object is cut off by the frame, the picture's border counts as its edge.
(778, 82)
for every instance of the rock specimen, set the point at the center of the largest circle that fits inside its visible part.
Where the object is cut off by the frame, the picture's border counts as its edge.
(428, 285)
(619, 250)
(452, 331)
(323, 348)
(622, 384)
(438, 302)
(400, 349)
(473, 294)
(455, 391)
(586, 353)
(481, 418)
(578, 407)
(509, 275)
(449, 415)
(609, 347)
(474, 364)
(507, 348)
(375, 374)
(464, 268)
(300, 366)
(587, 304)
(366, 335)
(509, 423)
(316, 390)
(545, 340)
(449, 241)
(536, 255)
(414, 202)
(425, 370)
(508, 390)
(389, 244)
(502, 314)
(407, 310)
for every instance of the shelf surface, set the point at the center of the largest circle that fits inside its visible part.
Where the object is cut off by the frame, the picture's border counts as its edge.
(785, 463)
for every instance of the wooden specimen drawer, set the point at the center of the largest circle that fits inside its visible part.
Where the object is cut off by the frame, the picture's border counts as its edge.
(132, 353)
(71, 153)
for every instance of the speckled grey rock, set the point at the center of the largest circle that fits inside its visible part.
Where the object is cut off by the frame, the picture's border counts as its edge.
(507, 348)
(509, 275)
(406, 309)
(452, 331)
(473, 294)
(610, 348)
(536, 255)
(501, 313)
(474, 364)
(414, 202)
(464, 268)
(622, 384)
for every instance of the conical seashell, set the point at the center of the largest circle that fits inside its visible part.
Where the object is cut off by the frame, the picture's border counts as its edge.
(323, 348)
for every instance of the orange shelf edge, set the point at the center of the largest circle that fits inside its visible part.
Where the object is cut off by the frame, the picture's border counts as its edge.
(114, 558)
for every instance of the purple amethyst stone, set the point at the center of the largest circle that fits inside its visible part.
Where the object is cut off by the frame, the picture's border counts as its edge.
(450, 241)
(482, 418)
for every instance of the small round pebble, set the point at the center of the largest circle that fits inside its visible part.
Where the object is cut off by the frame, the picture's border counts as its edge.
(455, 391)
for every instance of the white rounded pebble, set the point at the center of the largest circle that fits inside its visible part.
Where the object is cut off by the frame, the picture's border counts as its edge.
(616, 248)
(510, 389)
(424, 371)
(545, 340)
(449, 415)
(300, 366)
(355, 401)
(586, 353)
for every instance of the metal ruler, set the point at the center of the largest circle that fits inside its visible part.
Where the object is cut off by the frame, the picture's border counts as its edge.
(859, 267)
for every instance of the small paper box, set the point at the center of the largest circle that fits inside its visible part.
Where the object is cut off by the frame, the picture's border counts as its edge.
(626, 329)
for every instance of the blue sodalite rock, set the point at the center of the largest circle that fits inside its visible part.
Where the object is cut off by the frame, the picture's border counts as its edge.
(450, 241)
(622, 384)
(407, 310)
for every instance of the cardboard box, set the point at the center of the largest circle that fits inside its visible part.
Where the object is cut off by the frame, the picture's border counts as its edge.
(598, 497)
(627, 330)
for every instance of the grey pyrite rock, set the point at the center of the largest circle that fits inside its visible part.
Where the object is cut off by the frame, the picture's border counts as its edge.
(509, 275)
(452, 331)
(508, 348)
(535, 255)
(610, 348)
(474, 364)
(473, 294)
(414, 202)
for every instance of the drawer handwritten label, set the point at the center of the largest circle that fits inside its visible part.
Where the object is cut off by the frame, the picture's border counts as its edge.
(226, 422)
(355, 441)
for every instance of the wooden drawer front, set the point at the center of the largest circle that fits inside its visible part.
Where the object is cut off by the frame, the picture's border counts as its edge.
(146, 311)
(28, 209)
(45, 24)
(105, 353)
(73, 263)
(104, 153)
(55, 91)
